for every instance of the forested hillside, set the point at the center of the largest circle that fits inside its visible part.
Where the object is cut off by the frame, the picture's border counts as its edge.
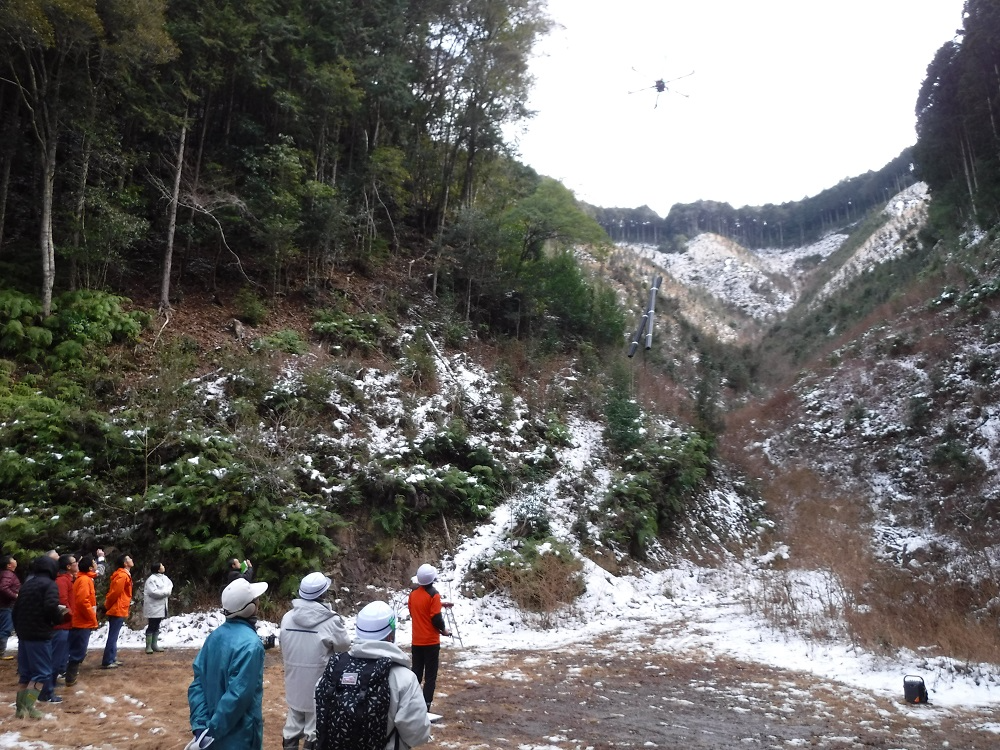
(190, 146)
(790, 225)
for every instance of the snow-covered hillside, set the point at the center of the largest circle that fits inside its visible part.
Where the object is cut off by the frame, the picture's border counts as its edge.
(728, 272)
(909, 416)
(701, 613)
(763, 285)
(906, 213)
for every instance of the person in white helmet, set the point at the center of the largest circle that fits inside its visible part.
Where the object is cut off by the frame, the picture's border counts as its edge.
(226, 696)
(311, 632)
(406, 724)
(428, 626)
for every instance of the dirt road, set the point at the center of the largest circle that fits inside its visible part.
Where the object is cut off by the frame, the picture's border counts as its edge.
(554, 700)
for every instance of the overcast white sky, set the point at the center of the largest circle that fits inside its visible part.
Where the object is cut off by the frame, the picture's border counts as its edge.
(788, 97)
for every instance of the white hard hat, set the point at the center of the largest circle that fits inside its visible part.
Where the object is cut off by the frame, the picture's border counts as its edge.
(313, 586)
(240, 593)
(375, 622)
(426, 574)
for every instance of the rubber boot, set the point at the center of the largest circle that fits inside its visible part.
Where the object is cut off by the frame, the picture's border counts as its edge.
(290, 743)
(31, 695)
(309, 745)
(156, 644)
(72, 672)
(20, 713)
(149, 643)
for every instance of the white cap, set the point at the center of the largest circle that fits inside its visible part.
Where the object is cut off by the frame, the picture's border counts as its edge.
(240, 593)
(313, 586)
(426, 574)
(375, 622)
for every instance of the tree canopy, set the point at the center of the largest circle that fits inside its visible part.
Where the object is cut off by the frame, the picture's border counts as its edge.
(958, 111)
(268, 143)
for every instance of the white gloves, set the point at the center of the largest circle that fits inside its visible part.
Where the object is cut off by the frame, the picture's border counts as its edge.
(200, 742)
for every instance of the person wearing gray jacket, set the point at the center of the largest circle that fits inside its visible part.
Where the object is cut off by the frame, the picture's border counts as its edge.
(155, 594)
(311, 632)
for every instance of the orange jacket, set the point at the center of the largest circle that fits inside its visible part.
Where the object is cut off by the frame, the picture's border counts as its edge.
(119, 596)
(84, 601)
(425, 606)
(65, 583)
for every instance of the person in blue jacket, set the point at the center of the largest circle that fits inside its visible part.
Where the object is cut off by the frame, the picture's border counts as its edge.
(225, 698)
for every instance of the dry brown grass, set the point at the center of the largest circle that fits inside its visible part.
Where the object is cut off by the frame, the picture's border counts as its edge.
(884, 607)
(543, 588)
(749, 425)
(901, 610)
(658, 393)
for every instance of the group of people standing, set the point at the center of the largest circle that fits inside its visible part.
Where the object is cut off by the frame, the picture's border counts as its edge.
(228, 713)
(54, 612)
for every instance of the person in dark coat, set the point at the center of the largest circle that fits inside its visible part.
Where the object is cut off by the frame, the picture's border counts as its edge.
(10, 584)
(36, 613)
(68, 569)
(239, 569)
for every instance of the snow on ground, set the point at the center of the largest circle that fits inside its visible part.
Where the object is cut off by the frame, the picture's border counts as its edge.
(695, 612)
(905, 213)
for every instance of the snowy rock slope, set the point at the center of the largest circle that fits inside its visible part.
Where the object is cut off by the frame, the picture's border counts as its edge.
(764, 285)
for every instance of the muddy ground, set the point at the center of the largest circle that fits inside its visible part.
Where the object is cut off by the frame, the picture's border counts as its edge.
(569, 699)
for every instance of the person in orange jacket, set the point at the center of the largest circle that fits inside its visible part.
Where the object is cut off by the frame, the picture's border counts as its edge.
(116, 604)
(84, 618)
(428, 626)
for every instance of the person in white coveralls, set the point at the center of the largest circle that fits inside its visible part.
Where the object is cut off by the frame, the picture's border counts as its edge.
(311, 632)
(155, 595)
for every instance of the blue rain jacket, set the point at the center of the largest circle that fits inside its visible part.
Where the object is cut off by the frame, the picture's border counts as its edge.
(228, 687)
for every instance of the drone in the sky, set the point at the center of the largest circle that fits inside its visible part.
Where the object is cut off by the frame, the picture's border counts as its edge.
(662, 86)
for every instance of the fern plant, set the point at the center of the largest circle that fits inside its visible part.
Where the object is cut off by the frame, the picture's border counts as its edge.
(649, 499)
(21, 335)
(214, 510)
(365, 333)
(81, 323)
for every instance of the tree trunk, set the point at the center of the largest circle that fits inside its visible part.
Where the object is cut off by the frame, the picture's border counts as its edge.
(8, 157)
(81, 204)
(468, 180)
(439, 252)
(168, 252)
(47, 244)
(468, 298)
(12, 115)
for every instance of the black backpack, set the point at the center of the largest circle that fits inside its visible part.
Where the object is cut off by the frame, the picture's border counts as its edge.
(352, 704)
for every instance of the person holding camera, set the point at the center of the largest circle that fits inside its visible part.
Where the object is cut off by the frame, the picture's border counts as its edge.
(239, 569)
